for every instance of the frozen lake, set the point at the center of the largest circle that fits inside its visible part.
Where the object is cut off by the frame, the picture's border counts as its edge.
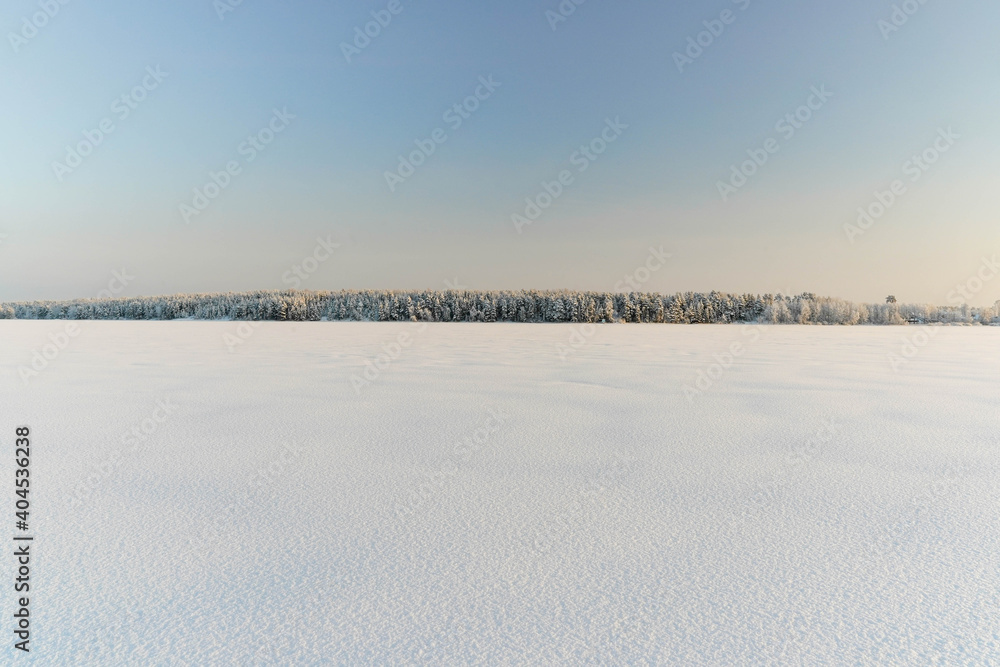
(220, 493)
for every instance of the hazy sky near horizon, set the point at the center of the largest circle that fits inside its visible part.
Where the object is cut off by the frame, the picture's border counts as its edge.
(129, 202)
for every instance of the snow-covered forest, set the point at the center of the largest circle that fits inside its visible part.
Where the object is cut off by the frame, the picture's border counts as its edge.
(500, 306)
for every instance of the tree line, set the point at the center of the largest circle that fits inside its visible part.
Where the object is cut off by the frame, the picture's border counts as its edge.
(500, 306)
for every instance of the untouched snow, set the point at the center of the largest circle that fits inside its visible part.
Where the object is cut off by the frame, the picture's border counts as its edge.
(812, 505)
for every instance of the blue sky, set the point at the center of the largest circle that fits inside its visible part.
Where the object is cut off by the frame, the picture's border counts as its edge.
(657, 184)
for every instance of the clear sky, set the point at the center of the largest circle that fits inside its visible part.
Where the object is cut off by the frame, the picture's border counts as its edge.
(70, 220)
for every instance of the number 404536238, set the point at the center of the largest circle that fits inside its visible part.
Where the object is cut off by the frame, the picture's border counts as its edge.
(22, 459)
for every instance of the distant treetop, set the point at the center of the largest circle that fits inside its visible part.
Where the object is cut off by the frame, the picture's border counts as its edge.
(501, 306)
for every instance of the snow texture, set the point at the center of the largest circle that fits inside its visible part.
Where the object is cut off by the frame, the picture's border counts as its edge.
(507, 493)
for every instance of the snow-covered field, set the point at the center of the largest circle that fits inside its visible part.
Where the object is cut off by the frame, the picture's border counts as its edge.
(214, 493)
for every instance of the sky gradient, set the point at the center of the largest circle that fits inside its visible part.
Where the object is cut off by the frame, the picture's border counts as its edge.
(345, 120)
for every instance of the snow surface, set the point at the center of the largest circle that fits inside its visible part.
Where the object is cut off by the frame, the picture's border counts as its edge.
(607, 518)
